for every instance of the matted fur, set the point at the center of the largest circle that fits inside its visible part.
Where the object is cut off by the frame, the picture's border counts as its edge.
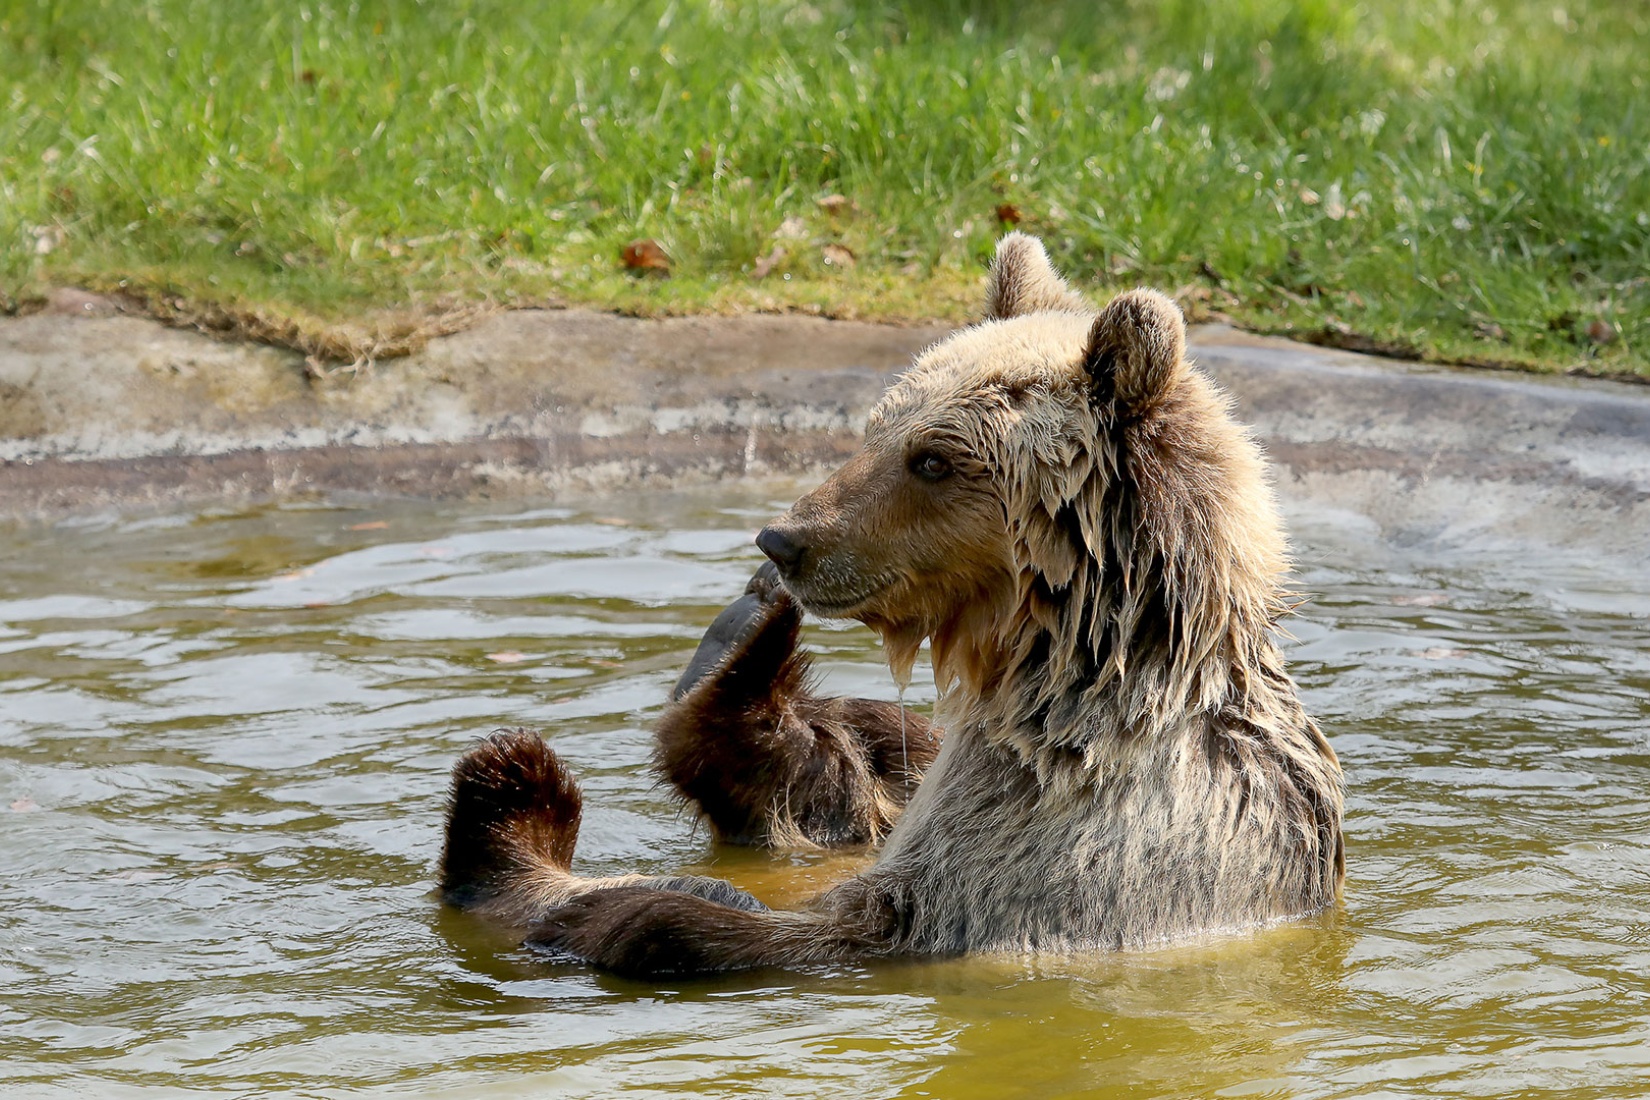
(512, 823)
(1065, 509)
(766, 761)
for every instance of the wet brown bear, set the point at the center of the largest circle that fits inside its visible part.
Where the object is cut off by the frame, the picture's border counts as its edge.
(1063, 507)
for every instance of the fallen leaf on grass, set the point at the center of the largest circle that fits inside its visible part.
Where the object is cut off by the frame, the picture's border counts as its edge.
(48, 239)
(1008, 213)
(838, 256)
(765, 264)
(792, 228)
(1601, 332)
(507, 657)
(1334, 206)
(646, 255)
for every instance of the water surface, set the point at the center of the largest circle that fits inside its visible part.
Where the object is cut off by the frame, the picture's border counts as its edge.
(224, 743)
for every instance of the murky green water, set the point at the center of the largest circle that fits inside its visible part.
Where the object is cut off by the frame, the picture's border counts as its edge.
(224, 742)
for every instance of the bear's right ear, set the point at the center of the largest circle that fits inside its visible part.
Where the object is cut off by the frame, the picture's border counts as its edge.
(1136, 352)
(1023, 281)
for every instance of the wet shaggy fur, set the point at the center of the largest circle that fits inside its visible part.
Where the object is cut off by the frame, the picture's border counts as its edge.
(767, 762)
(1064, 509)
(512, 822)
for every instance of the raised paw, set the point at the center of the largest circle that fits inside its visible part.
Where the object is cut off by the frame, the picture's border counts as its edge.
(513, 804)
(765, 600)
(645, 932)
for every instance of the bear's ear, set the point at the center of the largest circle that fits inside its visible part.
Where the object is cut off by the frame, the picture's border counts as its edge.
(1136, 351)
(1023, 281)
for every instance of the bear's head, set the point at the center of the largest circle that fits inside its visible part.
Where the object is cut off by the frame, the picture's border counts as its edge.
(1049, 493)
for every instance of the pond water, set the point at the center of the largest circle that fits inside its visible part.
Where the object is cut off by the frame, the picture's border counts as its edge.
(224, 746)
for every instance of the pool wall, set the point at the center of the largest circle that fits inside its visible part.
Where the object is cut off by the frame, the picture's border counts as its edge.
(109, 410)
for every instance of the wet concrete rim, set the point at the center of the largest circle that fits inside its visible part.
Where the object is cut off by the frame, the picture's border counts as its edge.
(120, 412)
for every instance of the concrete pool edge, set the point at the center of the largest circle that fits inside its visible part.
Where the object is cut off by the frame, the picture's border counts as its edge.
(116, 412)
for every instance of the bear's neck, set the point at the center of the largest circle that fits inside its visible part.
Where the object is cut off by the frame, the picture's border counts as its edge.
(1084, 673)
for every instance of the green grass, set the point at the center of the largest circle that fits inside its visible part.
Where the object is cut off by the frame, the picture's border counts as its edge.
(1467, 178)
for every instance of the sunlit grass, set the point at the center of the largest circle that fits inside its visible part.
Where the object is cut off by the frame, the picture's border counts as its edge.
(1464, 177)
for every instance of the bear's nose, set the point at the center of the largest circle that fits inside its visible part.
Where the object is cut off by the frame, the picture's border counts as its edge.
(782, 550)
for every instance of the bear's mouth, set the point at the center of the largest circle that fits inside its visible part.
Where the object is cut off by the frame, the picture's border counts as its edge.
(830, 602)
(832, 607)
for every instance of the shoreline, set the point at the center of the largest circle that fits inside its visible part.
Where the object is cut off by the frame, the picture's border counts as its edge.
(103, 412)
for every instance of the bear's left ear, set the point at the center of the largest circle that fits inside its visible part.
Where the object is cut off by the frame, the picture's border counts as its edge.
(1023, 281)
(1136, 351)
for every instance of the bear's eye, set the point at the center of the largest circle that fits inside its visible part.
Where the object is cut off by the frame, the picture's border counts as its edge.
(930, 466)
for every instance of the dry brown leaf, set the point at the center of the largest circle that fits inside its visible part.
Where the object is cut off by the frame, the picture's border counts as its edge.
(838, 256)
(765, 264)
(792, 228)
(1008, 213)
(1601, 332)
(646, 255)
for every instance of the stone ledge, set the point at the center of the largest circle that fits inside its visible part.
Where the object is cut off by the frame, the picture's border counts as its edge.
(103, 412)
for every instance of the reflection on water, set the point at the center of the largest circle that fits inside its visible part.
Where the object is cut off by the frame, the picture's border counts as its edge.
(224, 741)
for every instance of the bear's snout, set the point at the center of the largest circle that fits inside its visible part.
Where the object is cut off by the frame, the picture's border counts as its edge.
(782, 549)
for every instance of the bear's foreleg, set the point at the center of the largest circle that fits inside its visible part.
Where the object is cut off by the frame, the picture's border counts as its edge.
(766, 761)
(641, 933)
(512, 822)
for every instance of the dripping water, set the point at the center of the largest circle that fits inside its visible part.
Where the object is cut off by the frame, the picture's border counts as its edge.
(904, 757)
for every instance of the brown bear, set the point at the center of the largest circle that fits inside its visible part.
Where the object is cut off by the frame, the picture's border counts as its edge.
(1064, 509)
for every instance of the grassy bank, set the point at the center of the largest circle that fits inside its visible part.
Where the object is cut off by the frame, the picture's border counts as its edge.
(1469, 179)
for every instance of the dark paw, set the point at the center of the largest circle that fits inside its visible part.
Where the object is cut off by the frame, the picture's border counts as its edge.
(765, 598)
(511, 794)
(765, 583)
